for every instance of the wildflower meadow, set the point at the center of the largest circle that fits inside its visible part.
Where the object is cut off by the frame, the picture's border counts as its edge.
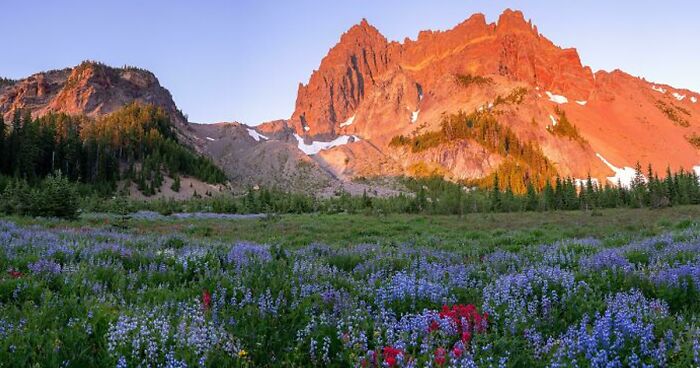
(80, 297)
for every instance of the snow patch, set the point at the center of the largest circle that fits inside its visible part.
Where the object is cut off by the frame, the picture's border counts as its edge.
(582, 103)
(658, 89)
(414, 116)
(693, 99)
(624, 176)
(211, 139)
(306, 128)
(557, 98)
(678, 96)
(348, 122)
(554, 120)
(316, 147)
(255, 135)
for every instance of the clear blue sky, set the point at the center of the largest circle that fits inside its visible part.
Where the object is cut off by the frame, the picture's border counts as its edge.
(242, 60)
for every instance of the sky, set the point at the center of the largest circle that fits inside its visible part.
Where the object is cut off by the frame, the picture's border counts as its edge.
(242, 60)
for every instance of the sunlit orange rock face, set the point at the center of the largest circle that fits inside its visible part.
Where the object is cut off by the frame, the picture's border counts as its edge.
(376, 89)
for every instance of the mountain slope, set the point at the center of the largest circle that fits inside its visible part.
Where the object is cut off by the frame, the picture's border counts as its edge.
(377, 90)
(102, 126)
(478, 100)
(92, 89)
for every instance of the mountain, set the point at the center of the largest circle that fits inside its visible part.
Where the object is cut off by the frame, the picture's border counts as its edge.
(92, 89)
(473, 103)
(114, 128)
(374, 104)
(96, 90)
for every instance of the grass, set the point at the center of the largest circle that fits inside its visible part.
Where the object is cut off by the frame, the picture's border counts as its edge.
(97, 298)
(480, 231)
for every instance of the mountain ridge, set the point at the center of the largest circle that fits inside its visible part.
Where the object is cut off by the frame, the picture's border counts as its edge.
(368, 92)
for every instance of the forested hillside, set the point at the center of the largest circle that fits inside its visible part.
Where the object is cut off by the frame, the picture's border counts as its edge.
(135, 143)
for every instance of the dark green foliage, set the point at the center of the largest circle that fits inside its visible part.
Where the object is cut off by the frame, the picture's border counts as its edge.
(135, 142)
(434, 195)
(6, 82)
(55, 196)
(176, 184)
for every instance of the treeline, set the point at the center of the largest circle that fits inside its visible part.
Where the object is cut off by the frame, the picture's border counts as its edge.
(437, 196)
(135, 143)
(54, 196)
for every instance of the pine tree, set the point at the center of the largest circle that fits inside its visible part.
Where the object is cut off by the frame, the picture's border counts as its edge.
(176, 184)
(496, 202)
(532, 202)
(366, 200)
(591, 195)
(549, 197)
(421, 200)
(508, 199)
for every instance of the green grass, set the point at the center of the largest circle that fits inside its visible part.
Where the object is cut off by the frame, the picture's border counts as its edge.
(482, 231)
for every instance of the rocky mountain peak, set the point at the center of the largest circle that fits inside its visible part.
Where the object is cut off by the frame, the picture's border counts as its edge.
(511, 21)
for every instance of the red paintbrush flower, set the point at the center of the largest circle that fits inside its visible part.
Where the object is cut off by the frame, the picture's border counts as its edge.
(206, 300)
(466, 337)
(440, 356)
(14, 274)
(467, 320)
(390, 354)
(434, 326)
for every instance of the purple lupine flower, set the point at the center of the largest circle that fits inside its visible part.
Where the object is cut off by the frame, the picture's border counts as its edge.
(45, 267)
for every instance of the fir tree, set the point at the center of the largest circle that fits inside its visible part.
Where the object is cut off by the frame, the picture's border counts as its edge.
(532, 201)
(176, 184)
(496, 202)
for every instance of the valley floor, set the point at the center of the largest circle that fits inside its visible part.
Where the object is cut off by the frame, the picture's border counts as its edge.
(603, 288)
(489, 230)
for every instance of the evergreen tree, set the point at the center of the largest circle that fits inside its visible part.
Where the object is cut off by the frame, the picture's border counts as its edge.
(366, 200)
(508, 200)
(549, 197)
(496, 202)
(176, 184)
(532, 201)
(589, 195)
(421, 202)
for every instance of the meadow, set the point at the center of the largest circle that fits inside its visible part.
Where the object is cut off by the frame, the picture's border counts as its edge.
(605, 288)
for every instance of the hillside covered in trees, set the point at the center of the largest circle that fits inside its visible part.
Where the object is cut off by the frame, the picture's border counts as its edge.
(136, 143)
(524, 165)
